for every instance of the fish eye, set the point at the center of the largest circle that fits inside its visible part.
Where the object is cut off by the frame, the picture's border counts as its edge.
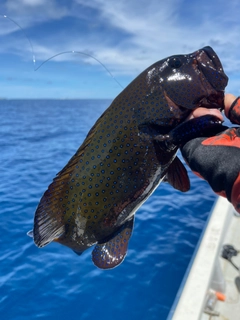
(175, 63)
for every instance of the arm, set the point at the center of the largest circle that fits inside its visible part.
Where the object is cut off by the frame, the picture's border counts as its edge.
(217, 159)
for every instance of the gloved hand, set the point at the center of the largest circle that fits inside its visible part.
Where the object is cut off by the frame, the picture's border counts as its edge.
(217, 159)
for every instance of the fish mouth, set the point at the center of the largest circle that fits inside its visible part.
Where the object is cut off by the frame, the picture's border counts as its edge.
(210, 57)
(211, 66)
(214, 79)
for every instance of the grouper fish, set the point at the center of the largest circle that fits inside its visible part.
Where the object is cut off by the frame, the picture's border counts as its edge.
(130, 149)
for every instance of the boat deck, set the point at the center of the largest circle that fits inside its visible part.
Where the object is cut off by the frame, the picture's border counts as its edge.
(230, 308)
(209, 273)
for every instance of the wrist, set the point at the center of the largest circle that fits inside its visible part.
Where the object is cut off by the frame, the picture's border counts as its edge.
(233, 112)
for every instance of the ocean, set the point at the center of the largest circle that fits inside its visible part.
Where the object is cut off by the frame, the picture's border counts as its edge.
(37, 138)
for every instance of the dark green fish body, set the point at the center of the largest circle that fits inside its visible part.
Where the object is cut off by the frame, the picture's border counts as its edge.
(93, 199)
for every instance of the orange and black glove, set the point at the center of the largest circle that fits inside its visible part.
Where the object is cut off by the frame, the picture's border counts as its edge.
(217, 159)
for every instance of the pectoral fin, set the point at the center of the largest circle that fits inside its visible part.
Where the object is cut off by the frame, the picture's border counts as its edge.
(177, 176)
(111, 253)
(203, 126)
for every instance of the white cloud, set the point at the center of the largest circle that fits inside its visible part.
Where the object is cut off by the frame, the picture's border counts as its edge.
(160, 28)
(33, 3)
(135, 33)
(29, 10)
(155, 29)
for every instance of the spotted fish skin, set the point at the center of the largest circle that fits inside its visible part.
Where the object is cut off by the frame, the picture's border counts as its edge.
(93, 199)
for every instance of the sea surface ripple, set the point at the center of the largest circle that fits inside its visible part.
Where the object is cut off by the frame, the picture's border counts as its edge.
(37, 138)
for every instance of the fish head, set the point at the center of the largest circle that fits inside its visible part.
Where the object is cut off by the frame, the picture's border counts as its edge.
(193, 80)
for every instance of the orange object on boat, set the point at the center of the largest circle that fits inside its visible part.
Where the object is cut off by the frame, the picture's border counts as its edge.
(220, 296)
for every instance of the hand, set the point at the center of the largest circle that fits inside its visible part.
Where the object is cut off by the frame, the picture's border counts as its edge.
(232, 110)
(217, 159)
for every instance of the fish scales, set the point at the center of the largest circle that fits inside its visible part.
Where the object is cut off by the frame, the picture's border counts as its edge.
(93, 198)
(112, 171)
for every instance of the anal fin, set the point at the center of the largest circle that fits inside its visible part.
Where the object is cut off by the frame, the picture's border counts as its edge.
(111, 253)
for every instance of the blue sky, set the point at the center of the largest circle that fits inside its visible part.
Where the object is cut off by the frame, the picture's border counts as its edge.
(125, 35)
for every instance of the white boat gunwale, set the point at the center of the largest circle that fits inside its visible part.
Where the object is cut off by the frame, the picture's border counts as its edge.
(191, 297)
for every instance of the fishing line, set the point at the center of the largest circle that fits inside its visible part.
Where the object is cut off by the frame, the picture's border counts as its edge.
(59, 54)
(18, 25)
(82, 53)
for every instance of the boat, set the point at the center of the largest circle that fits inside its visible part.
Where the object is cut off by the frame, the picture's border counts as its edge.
(211, 286)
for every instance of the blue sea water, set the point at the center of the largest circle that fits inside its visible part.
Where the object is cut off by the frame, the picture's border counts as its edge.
(37, 138)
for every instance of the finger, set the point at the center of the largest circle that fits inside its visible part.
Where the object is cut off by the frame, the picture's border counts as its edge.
(199, 112)
(228, 100)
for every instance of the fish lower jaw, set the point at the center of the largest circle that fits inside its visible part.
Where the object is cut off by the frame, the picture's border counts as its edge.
(214, 101)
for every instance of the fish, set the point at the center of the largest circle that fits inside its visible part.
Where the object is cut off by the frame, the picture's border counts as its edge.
(130, 149)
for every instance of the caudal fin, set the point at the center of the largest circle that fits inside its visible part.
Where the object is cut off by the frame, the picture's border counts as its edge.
(48, 220)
